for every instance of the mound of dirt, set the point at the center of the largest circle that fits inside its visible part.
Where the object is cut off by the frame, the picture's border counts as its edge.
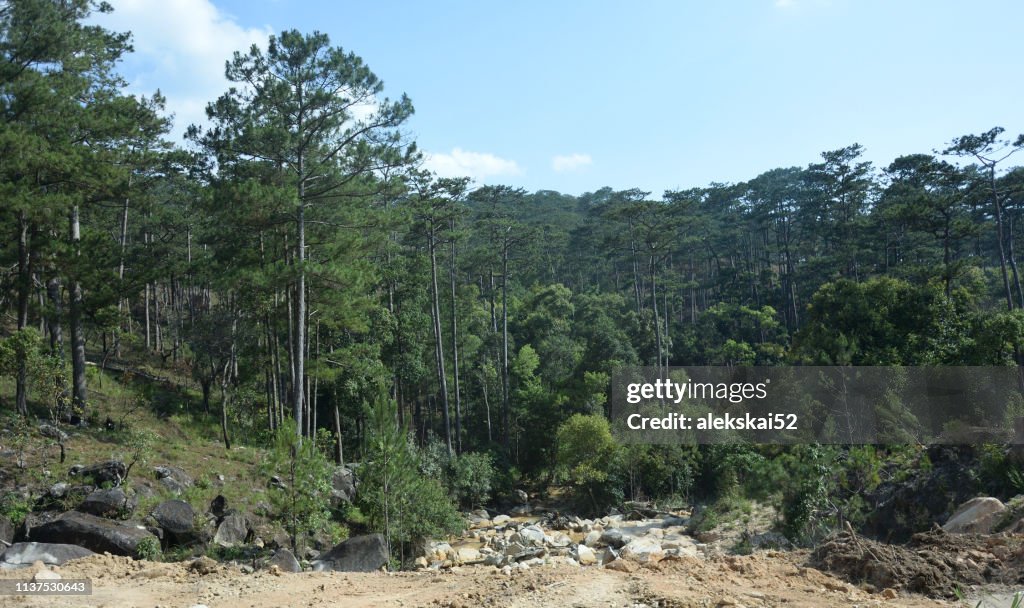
(934, 563)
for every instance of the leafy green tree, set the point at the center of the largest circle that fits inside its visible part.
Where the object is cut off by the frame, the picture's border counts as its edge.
(588, 457)
(295, 111)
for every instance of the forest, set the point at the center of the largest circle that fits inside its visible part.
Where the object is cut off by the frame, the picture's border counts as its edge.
(294, 277)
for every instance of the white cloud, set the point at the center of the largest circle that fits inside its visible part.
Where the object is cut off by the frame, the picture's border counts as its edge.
(180, 48)
(570, 162)
(477, 165)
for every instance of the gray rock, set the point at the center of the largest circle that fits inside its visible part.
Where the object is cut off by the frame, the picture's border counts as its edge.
(164, 471)
(57, 490)
(173, 486)
(366, 553)
(173, 478)
(94, 533)
(613, 537)
(285, 561)
(112, 504)
(51, 554)
(343, 486)
(533, 535)
(232, 531)
(48, 430)
(522, 497)
(177, 519)
(111, 471)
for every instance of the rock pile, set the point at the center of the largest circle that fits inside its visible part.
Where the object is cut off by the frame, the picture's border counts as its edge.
(506, 542)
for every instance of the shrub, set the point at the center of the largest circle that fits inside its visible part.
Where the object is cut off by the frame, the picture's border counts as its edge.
(471, 477)
(302, 501)
(395, 497)
(468, 477)
(149, 548)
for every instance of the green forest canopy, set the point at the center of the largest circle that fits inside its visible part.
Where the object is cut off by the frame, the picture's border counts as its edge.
(294, 260)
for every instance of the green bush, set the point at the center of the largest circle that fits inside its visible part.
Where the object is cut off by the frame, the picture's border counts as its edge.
(15, 507)
(468, 477)
(471, 477)
(149, 548)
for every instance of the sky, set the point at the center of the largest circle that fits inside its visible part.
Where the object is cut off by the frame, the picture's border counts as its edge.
(575, 95)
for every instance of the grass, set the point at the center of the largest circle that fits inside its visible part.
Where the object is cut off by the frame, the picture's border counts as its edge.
(185, 437)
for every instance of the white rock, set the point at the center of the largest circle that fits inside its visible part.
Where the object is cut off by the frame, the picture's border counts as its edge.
(977, 515)
(501, 519)
(586, 555)
(643, 550)
(45, 575)
(532, 534)
(559, 539)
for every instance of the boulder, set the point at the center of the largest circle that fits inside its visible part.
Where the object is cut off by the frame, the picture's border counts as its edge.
(643, 550)
(522, 497)
(173, 478)
(232, 531)
(111, 471)
(285, 561)
(468, 555)
(501, 519)
(976, 516)
(94, 533)
(559, 539)
(112, 504)
(585, 555)
(532, 535)
(51, 554)
(613, 537)
(592, 538)
(343, 486)
(177, 519)
(48, 430)
(621, 565)
(366, 553)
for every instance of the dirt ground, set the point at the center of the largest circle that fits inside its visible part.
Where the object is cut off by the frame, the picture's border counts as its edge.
(759, 580)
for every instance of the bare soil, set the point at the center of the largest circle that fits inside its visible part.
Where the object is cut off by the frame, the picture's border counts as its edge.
(764, 579)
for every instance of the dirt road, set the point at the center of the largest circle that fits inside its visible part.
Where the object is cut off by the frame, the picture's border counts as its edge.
(760, 580)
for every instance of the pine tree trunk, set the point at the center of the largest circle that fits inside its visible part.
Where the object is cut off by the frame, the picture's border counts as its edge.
(442, 380)
(505, 405)
(24, 289)
(56, 335)
(455, 349)
(79, 397)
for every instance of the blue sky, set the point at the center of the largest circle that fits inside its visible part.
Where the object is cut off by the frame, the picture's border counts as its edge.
(575, 95)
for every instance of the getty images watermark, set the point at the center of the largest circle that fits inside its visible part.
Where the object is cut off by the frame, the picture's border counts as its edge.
(789, 405)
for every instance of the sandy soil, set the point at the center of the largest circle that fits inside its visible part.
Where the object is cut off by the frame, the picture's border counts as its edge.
(763, 579)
